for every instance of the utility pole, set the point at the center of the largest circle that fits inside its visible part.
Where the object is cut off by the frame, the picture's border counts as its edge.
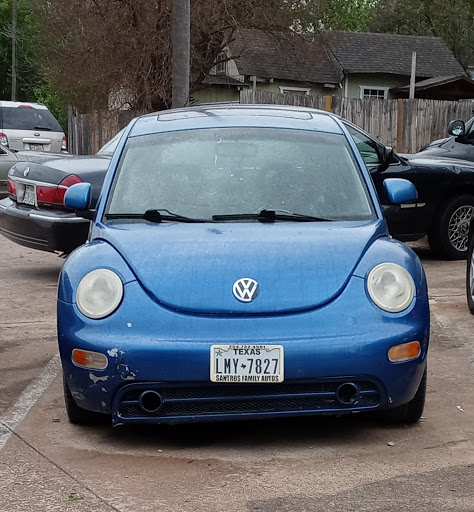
(14, 25)
(413, 76)
(181, 52)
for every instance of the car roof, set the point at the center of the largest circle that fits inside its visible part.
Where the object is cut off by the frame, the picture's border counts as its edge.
(15, 104)
(228, 115)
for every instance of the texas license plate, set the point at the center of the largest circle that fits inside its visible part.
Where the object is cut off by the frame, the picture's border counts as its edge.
(247, 363)
(36, 147)
(30, 195)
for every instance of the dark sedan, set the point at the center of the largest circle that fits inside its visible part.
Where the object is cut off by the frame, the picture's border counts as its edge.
(34, 214)
(459, 145)
(445, 202)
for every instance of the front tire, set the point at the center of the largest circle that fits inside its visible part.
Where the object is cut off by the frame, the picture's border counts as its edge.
(448, 236)
(470, 273)
(412, 411)
(77, 415)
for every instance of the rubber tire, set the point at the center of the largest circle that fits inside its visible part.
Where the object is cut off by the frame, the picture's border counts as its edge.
(470, 251)
(438, 237)
(77, 415)
(412, 411)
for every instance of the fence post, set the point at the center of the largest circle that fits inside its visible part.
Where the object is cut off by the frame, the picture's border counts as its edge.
(400, 127)
(328, 104)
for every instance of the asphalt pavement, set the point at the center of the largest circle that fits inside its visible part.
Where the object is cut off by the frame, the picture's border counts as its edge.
(317, 464)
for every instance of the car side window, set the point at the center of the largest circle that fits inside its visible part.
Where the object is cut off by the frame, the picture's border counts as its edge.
(366, 146)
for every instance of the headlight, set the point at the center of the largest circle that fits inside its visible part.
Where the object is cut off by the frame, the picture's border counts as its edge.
(99, 293)
(391, 287)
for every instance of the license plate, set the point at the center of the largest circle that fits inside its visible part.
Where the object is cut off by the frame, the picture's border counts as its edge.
(36, 147)
(30, 195)
(247, 363)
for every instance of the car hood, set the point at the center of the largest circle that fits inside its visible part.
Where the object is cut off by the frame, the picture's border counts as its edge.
(192, 267)
(433, 161)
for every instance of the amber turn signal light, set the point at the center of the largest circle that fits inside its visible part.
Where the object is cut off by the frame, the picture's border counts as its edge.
(404, 352)
(88, 359)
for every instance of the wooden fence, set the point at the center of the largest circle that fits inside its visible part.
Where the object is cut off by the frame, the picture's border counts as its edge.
(87, 133)
(405, 125)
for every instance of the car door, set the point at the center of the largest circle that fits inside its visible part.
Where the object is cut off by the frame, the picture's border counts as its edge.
(409, 221)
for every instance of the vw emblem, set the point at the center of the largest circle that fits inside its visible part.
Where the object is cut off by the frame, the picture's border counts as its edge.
(245, 289)
(26, 172)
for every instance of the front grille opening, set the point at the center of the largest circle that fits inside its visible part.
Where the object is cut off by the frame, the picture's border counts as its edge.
(228, 399)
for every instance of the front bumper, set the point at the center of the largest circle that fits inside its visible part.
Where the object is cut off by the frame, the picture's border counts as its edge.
(45, 230)
(151, 348)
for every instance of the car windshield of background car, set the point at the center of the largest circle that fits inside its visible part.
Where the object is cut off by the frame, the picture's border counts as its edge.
(206, 172)
(17, 118)
(109, 147)
(470, 130)
(366, 146)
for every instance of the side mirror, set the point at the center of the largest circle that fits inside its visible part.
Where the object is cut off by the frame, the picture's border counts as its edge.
(457, 128)
(78, 197)
(389, 157)
(400, 191)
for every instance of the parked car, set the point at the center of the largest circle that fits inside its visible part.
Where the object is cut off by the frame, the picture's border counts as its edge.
(9, 158)
(470, 270)
(30, 126)
(443, 210)
(239, 267)
(459, 145)
(445, 201)
(34, 214)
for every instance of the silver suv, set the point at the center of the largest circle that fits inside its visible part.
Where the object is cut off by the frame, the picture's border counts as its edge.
(30, 126)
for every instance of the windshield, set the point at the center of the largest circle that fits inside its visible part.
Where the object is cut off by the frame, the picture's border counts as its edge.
(232, 171)
(27, 118)
(109, 147)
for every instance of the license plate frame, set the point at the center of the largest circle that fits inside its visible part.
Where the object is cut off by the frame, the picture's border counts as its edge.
(247, 364)
(36, 147)
(29, 194)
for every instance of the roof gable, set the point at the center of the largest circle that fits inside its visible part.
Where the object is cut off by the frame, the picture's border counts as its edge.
(365, 52)
(322, 58)
(285, 56)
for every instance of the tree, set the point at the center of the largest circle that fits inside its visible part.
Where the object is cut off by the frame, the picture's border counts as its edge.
(28, 77)
(354, 15)
(452, 20)
(96, 50)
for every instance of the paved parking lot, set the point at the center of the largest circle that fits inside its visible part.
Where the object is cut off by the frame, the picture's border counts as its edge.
(318, 464)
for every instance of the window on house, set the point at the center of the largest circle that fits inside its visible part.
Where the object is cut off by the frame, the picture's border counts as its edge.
(378, 93)
(294, 90)
(221, 63)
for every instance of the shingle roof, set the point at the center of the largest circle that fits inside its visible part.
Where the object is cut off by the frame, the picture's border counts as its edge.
(283, 56)
(364, 52)
(437, 81)
(322, 58)
(222, 80)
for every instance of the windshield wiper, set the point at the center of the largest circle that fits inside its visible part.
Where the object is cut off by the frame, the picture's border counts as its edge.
(270, 216)
(154, 216)
(44, 128)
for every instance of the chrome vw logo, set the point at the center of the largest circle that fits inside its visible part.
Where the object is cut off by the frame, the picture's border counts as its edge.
(245, 289)
(26, 172)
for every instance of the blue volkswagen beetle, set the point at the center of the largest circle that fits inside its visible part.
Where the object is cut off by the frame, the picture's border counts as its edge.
(239, 266)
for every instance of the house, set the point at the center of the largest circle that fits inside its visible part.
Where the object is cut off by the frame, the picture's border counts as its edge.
(450, 88)
(335, 63)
